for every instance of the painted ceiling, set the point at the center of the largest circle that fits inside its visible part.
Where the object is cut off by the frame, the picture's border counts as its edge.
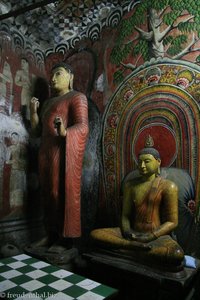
(57, 24)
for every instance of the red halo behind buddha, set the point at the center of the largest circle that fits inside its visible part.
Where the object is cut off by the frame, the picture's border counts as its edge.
(164, 141)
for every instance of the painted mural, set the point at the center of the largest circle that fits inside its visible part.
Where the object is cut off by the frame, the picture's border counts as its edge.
(18, 73)
(60, 25)
(158, 37)
(160, 98)
(168, 28)
(137, 61)
(146, 31)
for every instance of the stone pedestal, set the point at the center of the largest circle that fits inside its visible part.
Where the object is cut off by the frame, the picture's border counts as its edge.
(136, 281)
(56, 255)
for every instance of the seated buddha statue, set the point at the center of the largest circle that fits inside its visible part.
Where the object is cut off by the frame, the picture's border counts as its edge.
(149, 215)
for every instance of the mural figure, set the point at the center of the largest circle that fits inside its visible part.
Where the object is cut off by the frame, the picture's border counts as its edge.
(22, 79)
(63, 124)
(17, 159)
(6, 88)
(100, 83)
(149, 215)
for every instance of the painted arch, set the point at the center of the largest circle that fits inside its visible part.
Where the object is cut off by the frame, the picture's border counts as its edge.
(166, 105)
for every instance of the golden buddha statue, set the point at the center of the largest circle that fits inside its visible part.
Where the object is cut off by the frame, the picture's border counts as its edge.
(149, 215)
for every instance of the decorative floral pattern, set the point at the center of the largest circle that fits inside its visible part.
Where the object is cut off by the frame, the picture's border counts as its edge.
(172, 99)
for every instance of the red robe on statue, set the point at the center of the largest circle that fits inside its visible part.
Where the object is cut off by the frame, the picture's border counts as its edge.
(60, 162)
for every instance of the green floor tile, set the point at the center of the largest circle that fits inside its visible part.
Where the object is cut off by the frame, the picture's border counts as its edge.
(15, 292)
(75, 278)
(8, 260)
(21, 279)
(45, 292)
(2, 278)
(26, 269)
(5, 269)
(50, 269)
(47, 279)
(74, 291)
(104, 290)
(30, 261)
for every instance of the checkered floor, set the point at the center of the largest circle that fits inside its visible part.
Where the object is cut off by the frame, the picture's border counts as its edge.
(24, 277)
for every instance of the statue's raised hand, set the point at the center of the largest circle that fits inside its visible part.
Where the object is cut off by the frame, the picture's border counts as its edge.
(34, 105)
(59, 126)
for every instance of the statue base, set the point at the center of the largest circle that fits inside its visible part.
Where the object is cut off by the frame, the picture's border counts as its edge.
(55, 255)
(139, 281)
